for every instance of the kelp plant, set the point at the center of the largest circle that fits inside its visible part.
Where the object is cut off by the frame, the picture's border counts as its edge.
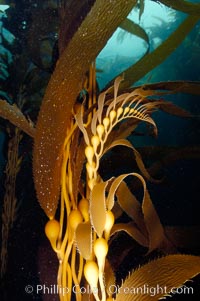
(87, 209)
(70, 140)
(81, 237)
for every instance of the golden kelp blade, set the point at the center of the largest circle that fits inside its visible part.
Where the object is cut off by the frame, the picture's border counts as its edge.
(83, 239)
(16, 117)
(98, 207)
(167, 272)
(66, 82)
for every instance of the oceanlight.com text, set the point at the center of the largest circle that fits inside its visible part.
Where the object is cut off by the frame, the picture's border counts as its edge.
(150, 290)
(112, 290)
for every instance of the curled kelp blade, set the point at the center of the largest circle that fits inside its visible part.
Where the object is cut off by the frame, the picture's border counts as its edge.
(115, 184)
(156, 235)
(83, 237)
(129, 204)
(152, 221)
(167, 273)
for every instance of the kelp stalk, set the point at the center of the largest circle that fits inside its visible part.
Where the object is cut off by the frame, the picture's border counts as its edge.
(10, 201)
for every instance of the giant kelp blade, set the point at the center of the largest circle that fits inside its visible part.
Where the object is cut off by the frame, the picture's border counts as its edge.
(16, 117)
(152, 222)
(184, 6)
(98, 207)
(153, 225)
(172, 109)
(133, 28)
(83, 236)
(167, 273)
(175, 87)
(130, 205)
(112, 191)
(115, 185)
(63, 88)
(142, 5)
(4, 72)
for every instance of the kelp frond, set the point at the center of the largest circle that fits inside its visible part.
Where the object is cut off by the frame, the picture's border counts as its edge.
(61, 94)
(90, 220)
(159, 278)
(107, 115)
(16, 117)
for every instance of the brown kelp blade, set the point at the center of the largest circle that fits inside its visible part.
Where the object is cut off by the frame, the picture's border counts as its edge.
(64, 86)
(175, 87)
(83, 238)
(155, 231)
(130, 205)
(16, 117)
(133, 28)
(184, 6)
(98, 207)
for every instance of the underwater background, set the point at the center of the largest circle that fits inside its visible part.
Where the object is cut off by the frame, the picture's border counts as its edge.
(28, 54)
